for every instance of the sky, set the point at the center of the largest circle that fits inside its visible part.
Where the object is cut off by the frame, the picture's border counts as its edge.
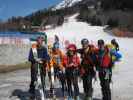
(9, 8)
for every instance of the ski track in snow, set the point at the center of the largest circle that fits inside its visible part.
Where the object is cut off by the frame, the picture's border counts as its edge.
(122, 87)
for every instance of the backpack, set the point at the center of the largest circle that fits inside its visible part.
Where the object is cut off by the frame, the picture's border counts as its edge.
(116, 55)
(105, 58)
(89, 57)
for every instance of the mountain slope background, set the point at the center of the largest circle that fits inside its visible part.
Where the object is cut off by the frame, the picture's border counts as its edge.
(115, 13)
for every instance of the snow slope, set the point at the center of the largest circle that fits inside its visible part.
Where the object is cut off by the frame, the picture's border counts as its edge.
(66, 3)
(74, 31)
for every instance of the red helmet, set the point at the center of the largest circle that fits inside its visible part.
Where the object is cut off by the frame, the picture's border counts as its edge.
(72, 47)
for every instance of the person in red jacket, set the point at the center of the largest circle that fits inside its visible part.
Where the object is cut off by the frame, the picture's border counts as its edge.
(71, 63)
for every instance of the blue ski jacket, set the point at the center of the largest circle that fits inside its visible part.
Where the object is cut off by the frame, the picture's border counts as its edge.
(42, 54)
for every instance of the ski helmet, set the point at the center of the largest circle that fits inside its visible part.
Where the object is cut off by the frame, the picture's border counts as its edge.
(56, 45)
(40, 38)
(101, 42)
(72, 47)
(113, 41)
(84, 41)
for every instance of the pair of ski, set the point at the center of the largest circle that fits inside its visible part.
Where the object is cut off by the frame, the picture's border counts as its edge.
(52, 88)
(40, 82)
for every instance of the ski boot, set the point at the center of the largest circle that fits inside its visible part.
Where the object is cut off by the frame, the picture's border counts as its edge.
(64, 98)
(76, 98)
(32, 94)
(69, 98)
(54, 97)
(88, 98)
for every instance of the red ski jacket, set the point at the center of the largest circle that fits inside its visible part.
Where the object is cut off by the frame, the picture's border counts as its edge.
(104, 57)
(71, 62)
(106, 60)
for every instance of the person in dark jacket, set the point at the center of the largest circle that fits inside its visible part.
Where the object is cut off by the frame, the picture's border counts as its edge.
(42, 59)
(88, 57)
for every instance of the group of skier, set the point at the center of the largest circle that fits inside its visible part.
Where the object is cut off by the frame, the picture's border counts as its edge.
(83, 63)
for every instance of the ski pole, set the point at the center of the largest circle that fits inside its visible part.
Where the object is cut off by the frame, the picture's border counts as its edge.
(112, 90)
(42, 82)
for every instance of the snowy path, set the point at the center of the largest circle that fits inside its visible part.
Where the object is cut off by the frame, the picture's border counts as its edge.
(14, 86)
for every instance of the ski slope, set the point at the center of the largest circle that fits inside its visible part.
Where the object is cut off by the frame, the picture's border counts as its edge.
(74, 31)
(65, 3)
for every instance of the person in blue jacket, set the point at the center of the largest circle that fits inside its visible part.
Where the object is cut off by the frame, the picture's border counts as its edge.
(43, 58)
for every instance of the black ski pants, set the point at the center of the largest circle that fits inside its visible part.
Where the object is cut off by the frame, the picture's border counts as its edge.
(34, 72)
(105, 80)
(72, 81)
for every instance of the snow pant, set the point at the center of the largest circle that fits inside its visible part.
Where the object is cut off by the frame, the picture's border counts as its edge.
(105, 80)
(87, 85)
(56, 72)
(61, 76)
(72, 81)
(87, 81)
(63, 82)
(34, 72)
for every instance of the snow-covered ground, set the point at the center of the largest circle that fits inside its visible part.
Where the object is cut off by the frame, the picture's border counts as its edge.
(13, 54)
(74, 31)
(122, 87)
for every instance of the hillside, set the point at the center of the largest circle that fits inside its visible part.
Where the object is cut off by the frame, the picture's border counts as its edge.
(114, 13)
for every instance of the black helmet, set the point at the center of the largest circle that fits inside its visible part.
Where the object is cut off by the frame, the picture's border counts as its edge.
(56, 45)
(84, 41)
(40, 38)
(101, 42)
(113, 41)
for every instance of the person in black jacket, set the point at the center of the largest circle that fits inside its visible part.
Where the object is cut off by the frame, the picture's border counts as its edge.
(87, 67)
(43, 58)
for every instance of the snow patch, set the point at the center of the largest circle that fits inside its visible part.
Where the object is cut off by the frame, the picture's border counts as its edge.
(65, 4)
